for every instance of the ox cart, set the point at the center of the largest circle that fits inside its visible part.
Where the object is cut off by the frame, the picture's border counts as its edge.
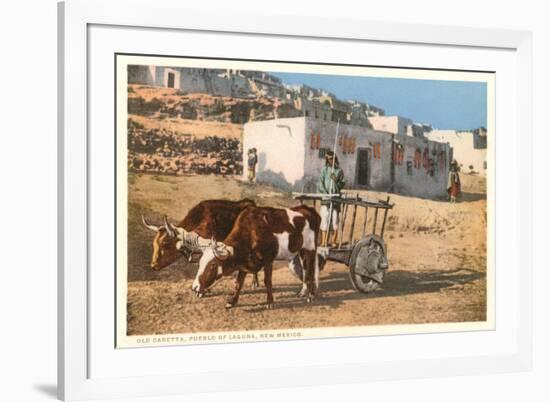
(361, 248)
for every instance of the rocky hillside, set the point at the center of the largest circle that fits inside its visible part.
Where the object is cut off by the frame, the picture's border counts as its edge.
(161, 103)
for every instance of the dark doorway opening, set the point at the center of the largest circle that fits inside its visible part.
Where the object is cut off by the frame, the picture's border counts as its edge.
(171, 80)
(363, 167)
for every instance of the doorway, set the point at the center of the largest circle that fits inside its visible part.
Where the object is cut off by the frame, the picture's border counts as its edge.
(171, 80)
(363, 166)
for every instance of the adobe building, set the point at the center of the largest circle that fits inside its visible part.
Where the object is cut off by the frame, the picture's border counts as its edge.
(291, 153)
(218, 82)
(469, 148)
(399, 125)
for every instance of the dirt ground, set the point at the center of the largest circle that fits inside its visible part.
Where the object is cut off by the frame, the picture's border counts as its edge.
(437, 266)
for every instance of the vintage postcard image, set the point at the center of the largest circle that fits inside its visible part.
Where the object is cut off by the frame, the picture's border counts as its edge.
(260, 201)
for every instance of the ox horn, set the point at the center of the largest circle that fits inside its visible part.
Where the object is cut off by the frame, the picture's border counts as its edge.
(220, 250)
(149, 225)
(170, 229)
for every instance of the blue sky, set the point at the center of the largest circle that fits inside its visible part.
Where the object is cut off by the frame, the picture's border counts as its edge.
(456, 105)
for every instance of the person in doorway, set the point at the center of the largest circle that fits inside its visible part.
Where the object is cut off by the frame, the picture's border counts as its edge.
(252, 162)
(331, 181)
(453, 184)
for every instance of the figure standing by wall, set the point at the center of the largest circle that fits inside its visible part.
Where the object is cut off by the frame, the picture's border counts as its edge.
(252, 162)
(453, 184)
(331, 181)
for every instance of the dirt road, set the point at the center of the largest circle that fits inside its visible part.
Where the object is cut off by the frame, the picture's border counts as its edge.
(437, 256)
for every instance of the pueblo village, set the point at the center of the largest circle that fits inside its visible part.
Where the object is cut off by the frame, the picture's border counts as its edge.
(198, 134)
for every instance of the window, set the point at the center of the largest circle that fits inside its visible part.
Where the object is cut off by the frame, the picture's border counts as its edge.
(398, 154)
(442, 160)
(417, 159)
(376, 150)
(348, 145)
(314, 140)
(426, 159)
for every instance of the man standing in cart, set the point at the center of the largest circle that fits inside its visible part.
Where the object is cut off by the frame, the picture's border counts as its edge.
(331, 181)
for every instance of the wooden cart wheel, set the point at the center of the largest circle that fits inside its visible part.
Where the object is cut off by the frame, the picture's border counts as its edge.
(368, 264)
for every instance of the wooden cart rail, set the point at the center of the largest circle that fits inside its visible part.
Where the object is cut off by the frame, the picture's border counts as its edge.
(344, 199)
(364, 253)
(353, 201)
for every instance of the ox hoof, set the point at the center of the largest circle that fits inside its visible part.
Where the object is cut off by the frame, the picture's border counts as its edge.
(309, 299)
(301, 293)
(269, 306)
(229, 305)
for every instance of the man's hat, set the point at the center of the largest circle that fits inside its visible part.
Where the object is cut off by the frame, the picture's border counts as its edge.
(331, 155)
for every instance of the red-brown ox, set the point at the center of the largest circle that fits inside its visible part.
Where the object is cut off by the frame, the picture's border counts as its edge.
(207, 219)
(259, 237)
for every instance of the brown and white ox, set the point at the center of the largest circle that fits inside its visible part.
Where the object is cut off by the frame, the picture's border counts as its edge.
(258, 238)
(207, 219)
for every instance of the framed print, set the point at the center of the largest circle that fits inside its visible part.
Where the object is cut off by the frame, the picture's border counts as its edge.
(235, 193)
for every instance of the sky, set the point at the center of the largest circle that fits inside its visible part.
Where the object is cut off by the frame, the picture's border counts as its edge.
(458, 105)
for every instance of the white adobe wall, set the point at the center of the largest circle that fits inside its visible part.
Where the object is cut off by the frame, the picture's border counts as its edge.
(464, 152)
(287, 160)
(390, 124)
(177, 77)
(364, 137)
(418, 181)
(280, 144)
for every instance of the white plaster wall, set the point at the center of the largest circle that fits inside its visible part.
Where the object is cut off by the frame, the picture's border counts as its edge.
(391, 124)
(177, 77)
(464, 152)
(365, 138)
(280, 144)
(420, 183)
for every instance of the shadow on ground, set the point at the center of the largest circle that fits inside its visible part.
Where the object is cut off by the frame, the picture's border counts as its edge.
(336, 288)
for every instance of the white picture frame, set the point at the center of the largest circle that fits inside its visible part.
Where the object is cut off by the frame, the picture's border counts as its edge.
(75, 381)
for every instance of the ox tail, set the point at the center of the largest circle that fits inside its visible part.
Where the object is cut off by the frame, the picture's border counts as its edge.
(295, 266)
(316, 272)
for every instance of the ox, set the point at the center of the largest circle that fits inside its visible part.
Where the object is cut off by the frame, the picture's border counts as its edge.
(259, 237)
(207, 219)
